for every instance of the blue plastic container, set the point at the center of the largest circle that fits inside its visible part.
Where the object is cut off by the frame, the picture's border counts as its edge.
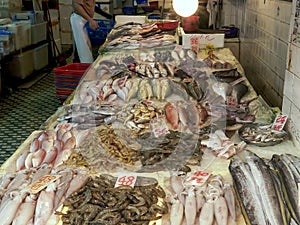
(230, 31)
(129, 10)
(98, 36)
(141, 2)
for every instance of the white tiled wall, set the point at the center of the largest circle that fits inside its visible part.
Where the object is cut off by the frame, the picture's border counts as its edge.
(291, 99)
(266, 26)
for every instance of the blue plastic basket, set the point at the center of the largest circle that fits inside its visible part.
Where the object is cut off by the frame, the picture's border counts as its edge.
(98, 36)
(129, 10)
(230, 31)
(141, 2)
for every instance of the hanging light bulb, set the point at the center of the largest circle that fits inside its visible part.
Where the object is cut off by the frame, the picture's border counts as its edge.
(185, 8)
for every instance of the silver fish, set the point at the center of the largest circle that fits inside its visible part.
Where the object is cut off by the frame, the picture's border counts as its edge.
(290, 182)
(265, 188)
(245, 186)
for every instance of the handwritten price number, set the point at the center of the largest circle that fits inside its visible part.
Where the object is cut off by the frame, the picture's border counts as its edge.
(231, 101)
(43, 182)
(159, 127)
(199, 177)
(160, 131)
(194, 43)
(126, 181)
(281, 119)
(279, 122)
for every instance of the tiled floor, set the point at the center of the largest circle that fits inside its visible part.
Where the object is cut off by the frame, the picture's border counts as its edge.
(24, 111)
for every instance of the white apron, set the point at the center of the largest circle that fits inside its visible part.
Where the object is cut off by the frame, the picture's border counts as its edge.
(81, 38)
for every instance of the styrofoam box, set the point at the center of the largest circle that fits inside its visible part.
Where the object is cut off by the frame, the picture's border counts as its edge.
(40, 57)
(7, 44)
(202, 40)
(21, 65)
(22, 31)
(11, 4)
(65, 24)
(38, 32)
(34, 17)
(26, 33)
(122, 19)
(4, 13)
(66, 37)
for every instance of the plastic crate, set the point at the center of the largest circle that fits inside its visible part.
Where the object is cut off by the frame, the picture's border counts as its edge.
(230, 31)
(98, 36)
(67, 78)
(141, 2)
(129, 10)
(167, 25)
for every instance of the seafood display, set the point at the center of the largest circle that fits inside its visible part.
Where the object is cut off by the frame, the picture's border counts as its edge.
(150, 113)
(118, 150)
(261, 135)
(100, 202)
(123, 149)
(88, 116)
(222, 146)
(134, 36)
(171, 151)
(262, 192)
(211, 202)
(185, 115)
(21, 201)
(287, 169)
(52, 147)
(215, 63)
(140, 115)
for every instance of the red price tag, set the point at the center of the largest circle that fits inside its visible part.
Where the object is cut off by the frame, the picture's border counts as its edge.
(126, 180)
(279, 122)
(159, 127)
(147, 102)
(231, 101)
(198, 178)
(41, 183)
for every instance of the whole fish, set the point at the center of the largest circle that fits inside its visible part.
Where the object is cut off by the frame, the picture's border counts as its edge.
(165, 88)
(265, 188)
(172, 114)
(230, 200)
(246, 189)
(290, 182)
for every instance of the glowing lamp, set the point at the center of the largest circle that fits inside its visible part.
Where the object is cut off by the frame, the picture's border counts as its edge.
(185, 8)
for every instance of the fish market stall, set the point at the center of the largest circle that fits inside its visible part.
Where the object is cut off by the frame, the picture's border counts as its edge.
(154, 134)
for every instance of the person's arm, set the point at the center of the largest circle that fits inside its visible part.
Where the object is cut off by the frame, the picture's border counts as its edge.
(77, 7)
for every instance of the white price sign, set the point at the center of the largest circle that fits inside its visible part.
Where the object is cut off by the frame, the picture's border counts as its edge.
(126, 180)
(279, 122)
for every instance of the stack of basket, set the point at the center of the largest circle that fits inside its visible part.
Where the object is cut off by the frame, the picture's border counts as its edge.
(67, 78)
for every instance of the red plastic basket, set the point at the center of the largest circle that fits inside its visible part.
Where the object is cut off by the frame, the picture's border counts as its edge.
(73, 69)
(67, 78)
(167, 25)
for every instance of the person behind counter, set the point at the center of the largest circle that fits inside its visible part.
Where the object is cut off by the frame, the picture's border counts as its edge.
(83, 12)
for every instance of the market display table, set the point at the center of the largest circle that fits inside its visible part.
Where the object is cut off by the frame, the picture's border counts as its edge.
(142, 140)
